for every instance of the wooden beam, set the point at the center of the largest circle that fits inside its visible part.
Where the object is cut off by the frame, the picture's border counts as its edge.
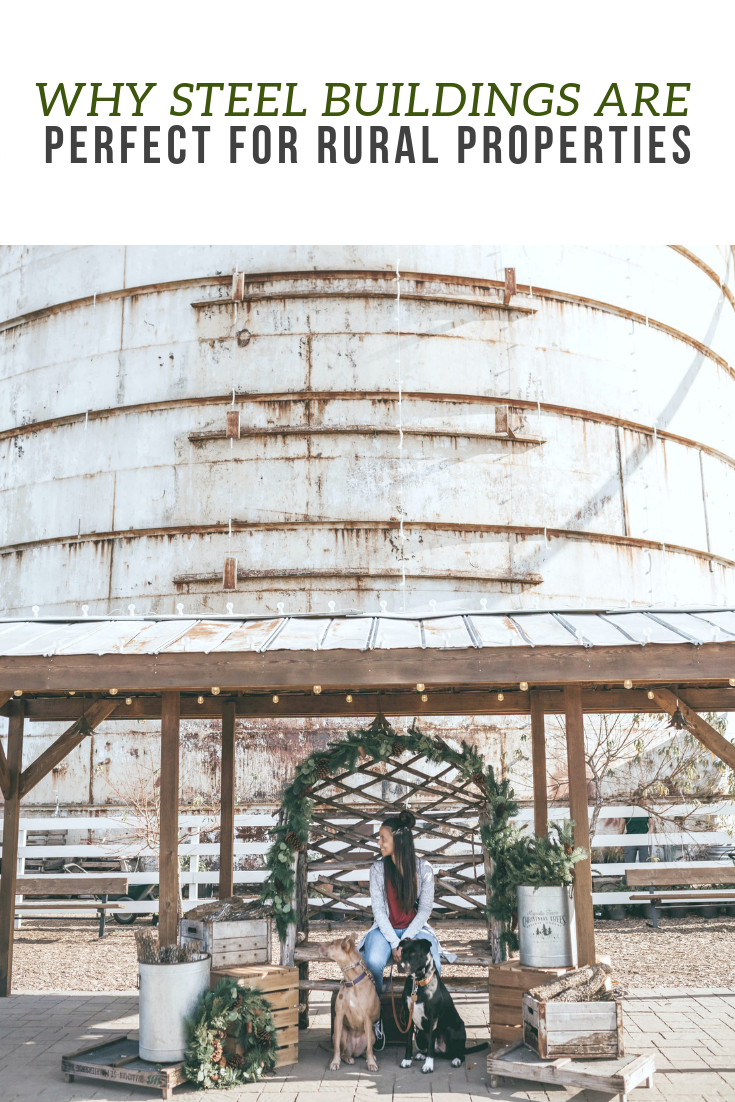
(538, 756)
(64, 745)
(348, 669)
(11, 818)
(577, 767)
(459, 702)
(168, 854)
(4, 774)
(227, 802)
(716, 743)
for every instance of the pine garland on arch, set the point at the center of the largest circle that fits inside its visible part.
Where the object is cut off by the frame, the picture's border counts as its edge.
(206, 1063)
(518, 858)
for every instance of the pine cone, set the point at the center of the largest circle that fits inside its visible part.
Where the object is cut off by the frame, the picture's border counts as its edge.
(499, 810)
(263, 1035)
(217, 1052)
(478, 779)
(307, 791)
(294, 842)
(223, 1062)
(568, 849)
(396, 749)
(322, 768)
(236, 1061)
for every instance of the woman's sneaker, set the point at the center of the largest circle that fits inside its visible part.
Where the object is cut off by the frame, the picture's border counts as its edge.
(379, 1035)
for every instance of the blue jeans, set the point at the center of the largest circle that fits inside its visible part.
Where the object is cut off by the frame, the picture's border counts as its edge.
(376, 952)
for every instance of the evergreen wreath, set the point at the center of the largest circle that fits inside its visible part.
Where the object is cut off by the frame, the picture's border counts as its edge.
(518, 858)
(217, 1012)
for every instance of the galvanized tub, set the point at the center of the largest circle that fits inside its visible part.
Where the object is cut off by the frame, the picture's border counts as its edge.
(169, 994)
(547, 932)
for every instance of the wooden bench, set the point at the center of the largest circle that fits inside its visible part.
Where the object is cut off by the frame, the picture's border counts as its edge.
(71, 886)
(648, 876)
(466, 985)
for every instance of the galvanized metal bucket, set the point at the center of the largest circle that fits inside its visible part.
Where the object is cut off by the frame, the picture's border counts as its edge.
(168, 996)
(546, 927)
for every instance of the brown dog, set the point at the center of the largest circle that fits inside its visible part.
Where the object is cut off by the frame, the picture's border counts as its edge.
(357, 1004)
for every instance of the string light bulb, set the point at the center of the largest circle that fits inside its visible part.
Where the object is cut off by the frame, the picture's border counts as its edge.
(424, 698)
(215, 690)
(72, 692)
(628, 683)
(317, 690)
(420, 687)
(649, 694)
(200, 700)
(128, 700)
(17, 692)
(348, 698)
(501, 696)
(276, 698)
(524, 686)
(113, 692)
(732, 682)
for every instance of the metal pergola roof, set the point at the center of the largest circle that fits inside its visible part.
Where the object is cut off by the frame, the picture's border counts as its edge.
(154, 635)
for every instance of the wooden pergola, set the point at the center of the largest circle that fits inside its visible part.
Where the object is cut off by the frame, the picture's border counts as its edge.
(168, 668)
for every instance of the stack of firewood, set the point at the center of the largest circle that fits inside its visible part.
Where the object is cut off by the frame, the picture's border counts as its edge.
(590, 984)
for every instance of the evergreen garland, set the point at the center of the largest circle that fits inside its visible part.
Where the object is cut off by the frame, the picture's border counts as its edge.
(217, 1011)
(518, 857)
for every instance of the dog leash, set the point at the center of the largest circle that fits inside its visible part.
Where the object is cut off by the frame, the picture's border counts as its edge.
(414, 996)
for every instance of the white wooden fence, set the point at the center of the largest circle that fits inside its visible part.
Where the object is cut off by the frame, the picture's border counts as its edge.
(194, 825)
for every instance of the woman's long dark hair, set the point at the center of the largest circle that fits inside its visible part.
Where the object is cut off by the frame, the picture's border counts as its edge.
(400, 868)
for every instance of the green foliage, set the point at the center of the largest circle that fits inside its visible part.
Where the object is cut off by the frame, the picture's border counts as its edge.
(518, 858)
(205, 1063)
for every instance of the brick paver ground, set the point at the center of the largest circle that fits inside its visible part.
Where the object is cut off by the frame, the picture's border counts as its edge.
(692, 1032)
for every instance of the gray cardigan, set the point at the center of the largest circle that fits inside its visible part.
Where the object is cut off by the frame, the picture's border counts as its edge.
(379, 901)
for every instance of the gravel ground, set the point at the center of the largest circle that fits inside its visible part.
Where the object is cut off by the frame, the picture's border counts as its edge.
(66, 954)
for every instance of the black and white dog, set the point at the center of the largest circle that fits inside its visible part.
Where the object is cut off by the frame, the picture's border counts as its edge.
(439, 1028)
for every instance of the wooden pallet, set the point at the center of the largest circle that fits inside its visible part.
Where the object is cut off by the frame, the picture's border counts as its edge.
(117, 1060)
(508, 983)
(281, 988)
(246, 941)
(619, 1076)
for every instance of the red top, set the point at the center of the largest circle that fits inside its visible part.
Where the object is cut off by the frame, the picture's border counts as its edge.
(399, 919)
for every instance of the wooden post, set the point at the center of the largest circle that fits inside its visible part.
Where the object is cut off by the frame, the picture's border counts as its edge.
(538, 753)
(168, 853)
(288, 946)
(227, 802)
(578, 810)
(11, 817)
(493, 926)
(302, 926)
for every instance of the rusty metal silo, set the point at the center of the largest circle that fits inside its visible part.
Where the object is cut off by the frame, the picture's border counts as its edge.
(571, 442)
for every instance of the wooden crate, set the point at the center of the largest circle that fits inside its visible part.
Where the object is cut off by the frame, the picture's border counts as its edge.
(585, 1029)
(247, 941)
(508, 983)
(116, 1060)
(281, 988)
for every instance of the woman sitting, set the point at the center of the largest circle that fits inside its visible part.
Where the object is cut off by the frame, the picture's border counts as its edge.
(402, 897)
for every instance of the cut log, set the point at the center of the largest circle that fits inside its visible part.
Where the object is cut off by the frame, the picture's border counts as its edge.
(576, 985)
